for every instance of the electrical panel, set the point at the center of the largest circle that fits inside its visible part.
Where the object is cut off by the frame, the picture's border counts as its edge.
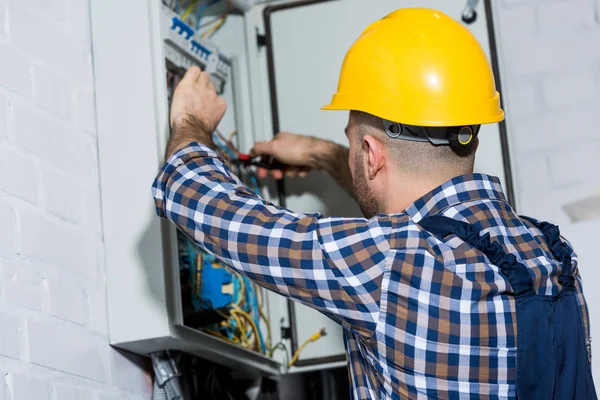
(214, 298)
(163, 291)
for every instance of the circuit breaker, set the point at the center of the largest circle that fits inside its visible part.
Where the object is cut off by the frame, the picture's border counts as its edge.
(275, 64)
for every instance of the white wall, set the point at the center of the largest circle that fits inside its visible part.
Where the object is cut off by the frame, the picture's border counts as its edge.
(551, 65)
(53, 329)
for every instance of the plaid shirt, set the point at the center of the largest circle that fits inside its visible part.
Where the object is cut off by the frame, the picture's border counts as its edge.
(423, 317)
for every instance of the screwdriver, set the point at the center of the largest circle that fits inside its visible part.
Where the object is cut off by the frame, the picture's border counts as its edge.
(269, 163)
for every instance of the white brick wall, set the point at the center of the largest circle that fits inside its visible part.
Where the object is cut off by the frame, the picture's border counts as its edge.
(53, 326)
(551, 68)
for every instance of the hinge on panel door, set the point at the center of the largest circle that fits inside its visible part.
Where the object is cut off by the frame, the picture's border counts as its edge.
(286, 332)
(261, 39)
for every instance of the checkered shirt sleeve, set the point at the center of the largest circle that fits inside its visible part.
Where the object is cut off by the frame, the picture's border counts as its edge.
(332, 264)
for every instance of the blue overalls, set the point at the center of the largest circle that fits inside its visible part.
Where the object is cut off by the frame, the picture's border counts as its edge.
(552, 359)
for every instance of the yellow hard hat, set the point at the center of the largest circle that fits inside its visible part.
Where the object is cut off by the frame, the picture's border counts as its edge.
(419, 67)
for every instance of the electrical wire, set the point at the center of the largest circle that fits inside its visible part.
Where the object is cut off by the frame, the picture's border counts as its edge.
(203, 8)
(215, 28)
(242, 298)
(220, 336)
(262, 314)
(241, 321)
(220, 22)
(189, 10)
(268, 324)
(250, 320)
(240, 327)
(255, 312)
(313, 338)
(232, 135)
(281, 346)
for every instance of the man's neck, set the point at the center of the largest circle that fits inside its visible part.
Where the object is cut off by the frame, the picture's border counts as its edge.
(407, 190)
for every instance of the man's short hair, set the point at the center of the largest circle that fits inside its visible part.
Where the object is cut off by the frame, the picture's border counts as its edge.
(420, 157)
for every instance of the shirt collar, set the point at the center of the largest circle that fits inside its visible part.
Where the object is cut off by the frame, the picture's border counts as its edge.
(461, 189)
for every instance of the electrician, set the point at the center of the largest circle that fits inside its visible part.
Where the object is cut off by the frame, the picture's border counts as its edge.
(442, 290)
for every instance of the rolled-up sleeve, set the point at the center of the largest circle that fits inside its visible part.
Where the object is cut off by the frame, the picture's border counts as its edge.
(335, 265)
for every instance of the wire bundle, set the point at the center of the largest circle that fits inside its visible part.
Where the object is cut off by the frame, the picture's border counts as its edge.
(216, 23)
(242, 326)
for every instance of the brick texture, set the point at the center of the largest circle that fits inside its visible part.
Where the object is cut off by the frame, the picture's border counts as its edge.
(53, 325)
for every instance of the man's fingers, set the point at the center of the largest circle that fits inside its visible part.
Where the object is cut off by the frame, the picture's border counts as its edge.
(277, 174)
(192, 75)
(262, 173)
(211, 86)
(261, 148)
(203, 79)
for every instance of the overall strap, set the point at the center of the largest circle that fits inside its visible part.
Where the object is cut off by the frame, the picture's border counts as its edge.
(559, 249)
(515, 272)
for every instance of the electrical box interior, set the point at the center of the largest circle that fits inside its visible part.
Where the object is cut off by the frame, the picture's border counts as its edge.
(214, 299)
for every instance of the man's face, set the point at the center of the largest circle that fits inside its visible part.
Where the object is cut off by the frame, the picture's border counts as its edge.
(358, 158)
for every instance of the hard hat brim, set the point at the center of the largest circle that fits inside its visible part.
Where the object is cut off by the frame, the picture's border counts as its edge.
(419, 113)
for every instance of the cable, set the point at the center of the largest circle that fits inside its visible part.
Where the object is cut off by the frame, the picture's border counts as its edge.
(188, 10)
(240, 326)
(220, 336)
(249, 319)
(212, 30)
(201, 10)
(281, 346)
(242, 290)
(262, 314)
(311, 339)
(240, 323)
(220, 22)
(256, 313)
(232, 135)
(267, 323)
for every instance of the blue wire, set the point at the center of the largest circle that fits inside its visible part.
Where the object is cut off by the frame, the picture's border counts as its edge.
(201, 11)
(254, 305)
(217, 140)
(236, 290)
(255, 184)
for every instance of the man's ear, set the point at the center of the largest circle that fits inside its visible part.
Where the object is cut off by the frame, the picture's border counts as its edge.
(375, 155)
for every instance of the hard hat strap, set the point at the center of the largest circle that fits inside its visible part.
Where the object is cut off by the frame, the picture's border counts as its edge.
(455, 136)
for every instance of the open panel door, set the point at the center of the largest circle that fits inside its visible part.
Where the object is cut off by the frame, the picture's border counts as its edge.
(306, 44)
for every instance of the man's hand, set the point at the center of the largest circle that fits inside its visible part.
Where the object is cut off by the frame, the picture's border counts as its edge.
(296, 151)
(304, 154)
(196, 110)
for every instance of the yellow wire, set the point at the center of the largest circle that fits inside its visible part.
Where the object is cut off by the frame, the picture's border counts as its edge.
(220, 336)
(232, 134)
(297, 353)
(313, 338)
(252, 324)
(189, 10)
(263, 315)
(214, 28)
(243, 337)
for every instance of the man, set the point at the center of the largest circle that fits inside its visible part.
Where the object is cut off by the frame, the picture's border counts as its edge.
(443, 291)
